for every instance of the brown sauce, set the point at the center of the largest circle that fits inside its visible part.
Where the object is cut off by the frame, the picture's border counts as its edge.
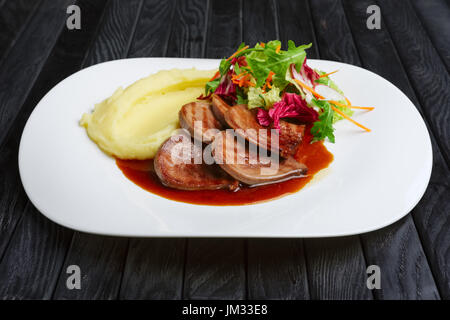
(314, 155)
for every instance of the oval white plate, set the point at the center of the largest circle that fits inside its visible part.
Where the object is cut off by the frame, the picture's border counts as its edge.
(375, 179)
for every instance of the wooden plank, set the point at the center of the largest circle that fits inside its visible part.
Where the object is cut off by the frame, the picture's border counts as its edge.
(115, 33)
(215, 268)
(32, 262)
(432, 216)
(435, 17)
(14, 17)
(25, 60)
(224, 28)
(101, 261)
(154, 267)
(426, 71)
(187, 37)
(295, 24)
(153, 30)
(336, 269)
(37, 248)
(396, 249)
(259, 21)
(276, 267)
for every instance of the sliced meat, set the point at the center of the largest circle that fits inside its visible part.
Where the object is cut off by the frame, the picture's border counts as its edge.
(198, 117)
(289, 136)
(240, 117)
(248, 167)
(219, 108)
(176, 168)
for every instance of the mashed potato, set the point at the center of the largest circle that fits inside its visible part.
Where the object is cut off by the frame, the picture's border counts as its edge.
(135, 121)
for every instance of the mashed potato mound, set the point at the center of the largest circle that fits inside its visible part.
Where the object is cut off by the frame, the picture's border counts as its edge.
(134, 122)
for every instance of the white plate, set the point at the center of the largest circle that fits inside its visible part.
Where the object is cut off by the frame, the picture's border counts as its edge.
(375, 179)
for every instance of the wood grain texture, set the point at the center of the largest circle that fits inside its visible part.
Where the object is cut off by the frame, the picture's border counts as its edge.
(42, 245)
(14, 17)
(25, 60)
(224, 32)
(101, 262)
(426, 71)
(154, 269)
(215, 269)
(336, 269)
(115, 32)
(432, 216)
(153, 30)
(187, 37)
(276, 267)
(435, 17)
(31, 264)
(397, 248)
(256, 13)
(295, 23)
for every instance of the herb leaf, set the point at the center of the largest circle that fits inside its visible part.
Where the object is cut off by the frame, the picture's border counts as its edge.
(323, 128)
(262, 62)
(211, 86)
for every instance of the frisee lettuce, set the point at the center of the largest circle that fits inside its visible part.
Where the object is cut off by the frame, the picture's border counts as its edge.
(257, 98)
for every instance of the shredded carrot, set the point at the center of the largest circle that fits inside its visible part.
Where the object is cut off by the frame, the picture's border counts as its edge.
(262, 44)
(237, 52)
(306, 87)
(242, 79)
(349, 105)
(216, 75)
(327, 74)
(334, 108)
(348, 101)
(268, 80)
(277, 50)
(350, 119)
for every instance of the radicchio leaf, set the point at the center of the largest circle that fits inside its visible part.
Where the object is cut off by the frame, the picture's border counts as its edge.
(291, 106)
(226, 88)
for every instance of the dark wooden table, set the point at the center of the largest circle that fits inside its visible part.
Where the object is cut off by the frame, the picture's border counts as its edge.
(37, 50)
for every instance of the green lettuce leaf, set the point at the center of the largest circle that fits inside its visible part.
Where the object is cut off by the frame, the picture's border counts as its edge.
(256, 98)
(211, 86)
(323, 128)
(262, 62)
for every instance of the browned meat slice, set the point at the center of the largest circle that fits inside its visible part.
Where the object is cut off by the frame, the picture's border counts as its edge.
(240, 117)
(175, 165)
(289, 136)
(248, 167)
(199, 115)
(219, 108)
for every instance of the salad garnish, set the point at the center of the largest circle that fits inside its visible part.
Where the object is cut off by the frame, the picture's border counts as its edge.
(281, 85)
